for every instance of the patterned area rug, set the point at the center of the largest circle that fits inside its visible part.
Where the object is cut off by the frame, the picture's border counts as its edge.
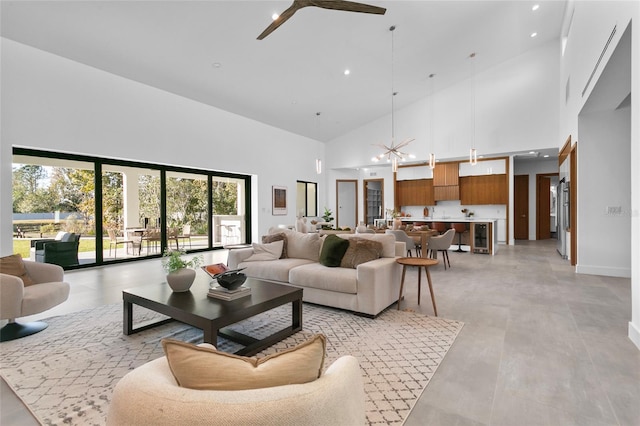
(66, 374)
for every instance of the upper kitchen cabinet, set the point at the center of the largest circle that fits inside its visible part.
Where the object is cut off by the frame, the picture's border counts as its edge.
(484, 189)
(445, 182)
(484, 183)
(445, 174)
(415, 192)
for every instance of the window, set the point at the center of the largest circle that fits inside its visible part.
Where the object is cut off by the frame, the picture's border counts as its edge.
(306, 200)
(130, 211)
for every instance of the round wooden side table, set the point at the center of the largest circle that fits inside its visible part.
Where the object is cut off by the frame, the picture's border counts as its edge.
(420, 262)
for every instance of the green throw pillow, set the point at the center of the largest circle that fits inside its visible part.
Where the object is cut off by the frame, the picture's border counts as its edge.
(333, 250)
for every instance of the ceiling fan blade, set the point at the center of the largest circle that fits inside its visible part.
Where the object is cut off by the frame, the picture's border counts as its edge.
(349, 6)
(280, 20)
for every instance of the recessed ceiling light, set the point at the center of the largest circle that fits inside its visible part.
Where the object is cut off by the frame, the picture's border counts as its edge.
(546, 156)
(275, 16)
(535, 7)
(347, 72)
(217, 64)
(532, 152)
(533, 34)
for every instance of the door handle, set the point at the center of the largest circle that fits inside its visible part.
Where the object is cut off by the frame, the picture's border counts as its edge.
(524, 215)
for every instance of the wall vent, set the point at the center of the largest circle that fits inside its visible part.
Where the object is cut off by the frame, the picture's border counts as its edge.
(373, 174)
(606, 46)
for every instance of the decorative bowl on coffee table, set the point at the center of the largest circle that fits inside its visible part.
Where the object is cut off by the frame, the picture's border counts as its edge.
(231, 281)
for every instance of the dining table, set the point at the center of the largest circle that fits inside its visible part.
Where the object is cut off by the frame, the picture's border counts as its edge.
(423, 236)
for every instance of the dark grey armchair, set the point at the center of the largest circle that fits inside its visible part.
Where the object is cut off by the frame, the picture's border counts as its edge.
(63, 250)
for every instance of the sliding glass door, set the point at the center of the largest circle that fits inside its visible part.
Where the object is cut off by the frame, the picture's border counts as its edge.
(130, 211)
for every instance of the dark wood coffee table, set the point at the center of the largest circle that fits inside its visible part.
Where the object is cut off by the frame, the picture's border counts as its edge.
(211, 315)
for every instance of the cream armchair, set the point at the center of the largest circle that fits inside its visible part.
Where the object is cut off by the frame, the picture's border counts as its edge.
(149, 395)
(18, 300)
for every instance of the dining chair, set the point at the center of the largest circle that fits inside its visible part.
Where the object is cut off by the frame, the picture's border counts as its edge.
(172, 235)
(151, 236)
(186, 233)
(409, 242)
(441, 243)
(135, 241)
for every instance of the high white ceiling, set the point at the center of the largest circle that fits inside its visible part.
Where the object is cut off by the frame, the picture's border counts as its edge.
(297, 71)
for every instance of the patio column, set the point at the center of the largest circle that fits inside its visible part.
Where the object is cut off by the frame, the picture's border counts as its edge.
(131, 199)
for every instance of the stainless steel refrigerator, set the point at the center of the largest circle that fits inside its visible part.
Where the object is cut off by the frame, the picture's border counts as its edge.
(562, 214)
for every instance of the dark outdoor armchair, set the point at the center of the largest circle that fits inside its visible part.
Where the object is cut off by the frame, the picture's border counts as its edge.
(63, 250)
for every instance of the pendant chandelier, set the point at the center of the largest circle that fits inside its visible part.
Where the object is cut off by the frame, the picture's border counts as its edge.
(393, 151)
(473, 153)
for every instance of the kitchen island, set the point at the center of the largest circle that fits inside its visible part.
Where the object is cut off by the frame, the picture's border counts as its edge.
(483, 231)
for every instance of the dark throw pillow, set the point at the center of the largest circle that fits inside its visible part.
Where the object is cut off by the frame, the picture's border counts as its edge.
(280, 236)
(333, 250)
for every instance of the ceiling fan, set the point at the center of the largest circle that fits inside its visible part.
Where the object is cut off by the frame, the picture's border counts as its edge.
(349, 6)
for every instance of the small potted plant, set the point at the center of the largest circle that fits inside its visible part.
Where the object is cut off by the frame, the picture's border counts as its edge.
(180, 272)
(328, 218)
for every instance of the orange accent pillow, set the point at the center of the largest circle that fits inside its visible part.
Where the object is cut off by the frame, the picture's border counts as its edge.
(197, 367)
(14, 265)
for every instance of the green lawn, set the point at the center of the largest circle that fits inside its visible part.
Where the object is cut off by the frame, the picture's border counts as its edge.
(23, 246)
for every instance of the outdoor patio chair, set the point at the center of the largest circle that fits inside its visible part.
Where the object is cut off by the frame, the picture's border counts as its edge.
(114, 240)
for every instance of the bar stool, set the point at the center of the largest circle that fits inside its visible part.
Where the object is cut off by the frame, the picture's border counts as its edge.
(420, 262)
(441, 227)
(460, 229)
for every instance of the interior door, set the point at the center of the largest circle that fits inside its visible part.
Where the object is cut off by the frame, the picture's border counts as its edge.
(373, 200)
(347, 202)
(521, 207)
(543, 207)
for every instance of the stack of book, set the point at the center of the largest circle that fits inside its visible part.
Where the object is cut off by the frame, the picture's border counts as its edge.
(224, 294)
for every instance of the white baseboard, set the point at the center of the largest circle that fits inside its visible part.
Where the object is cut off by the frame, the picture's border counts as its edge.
(634, 334)
(604, 270)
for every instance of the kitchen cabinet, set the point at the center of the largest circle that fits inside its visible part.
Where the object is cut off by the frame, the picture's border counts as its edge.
(484, 189)
(445, 182)
(445, 174)
(442, 193)
(415, 192)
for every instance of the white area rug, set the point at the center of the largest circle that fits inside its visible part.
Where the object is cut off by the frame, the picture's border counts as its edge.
(66, 374)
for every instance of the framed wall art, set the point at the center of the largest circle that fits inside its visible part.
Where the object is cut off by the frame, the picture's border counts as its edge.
(279, 200)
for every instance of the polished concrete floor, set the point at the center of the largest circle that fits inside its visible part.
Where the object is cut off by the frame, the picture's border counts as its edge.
(541, 345)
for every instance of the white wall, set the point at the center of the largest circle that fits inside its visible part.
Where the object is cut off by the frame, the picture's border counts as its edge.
(52, 103)
(603, 181)
(516, 110)
(593, 22)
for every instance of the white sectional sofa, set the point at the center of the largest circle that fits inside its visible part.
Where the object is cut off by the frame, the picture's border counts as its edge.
(367, 289)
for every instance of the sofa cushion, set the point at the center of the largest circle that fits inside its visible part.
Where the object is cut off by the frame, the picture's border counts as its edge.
(279, 236)
(361, 250)
(315, 275)
(302, 246)
(274, 270)
(14, 265)
(333, 249)
(204, 368)
(269, 251)
(388, 242)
